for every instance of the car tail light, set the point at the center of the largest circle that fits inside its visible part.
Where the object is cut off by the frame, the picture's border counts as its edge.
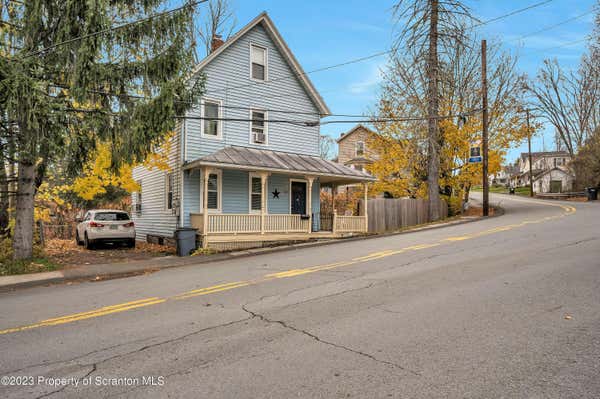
(130, 224)
(95, 224)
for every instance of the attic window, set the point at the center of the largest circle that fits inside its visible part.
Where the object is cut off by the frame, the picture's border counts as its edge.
(258, 61)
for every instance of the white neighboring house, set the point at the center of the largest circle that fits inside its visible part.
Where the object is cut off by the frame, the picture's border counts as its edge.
(551, 172)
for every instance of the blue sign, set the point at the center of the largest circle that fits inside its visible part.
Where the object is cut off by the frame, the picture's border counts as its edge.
(475, 154)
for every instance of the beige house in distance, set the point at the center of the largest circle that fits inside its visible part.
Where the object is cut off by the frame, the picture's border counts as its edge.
(353, 148)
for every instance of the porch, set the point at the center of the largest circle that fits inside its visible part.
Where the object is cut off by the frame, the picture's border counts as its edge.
(253, 201)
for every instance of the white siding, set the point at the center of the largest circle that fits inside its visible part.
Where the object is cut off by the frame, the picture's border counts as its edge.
(154, 218)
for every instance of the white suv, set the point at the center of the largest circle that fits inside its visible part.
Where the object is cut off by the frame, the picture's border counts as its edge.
(105, 225)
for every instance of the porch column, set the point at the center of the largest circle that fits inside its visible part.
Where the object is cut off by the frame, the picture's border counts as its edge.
(310, 180)
(366, 209)
(334, 188)
(263, 200)
(205, 174)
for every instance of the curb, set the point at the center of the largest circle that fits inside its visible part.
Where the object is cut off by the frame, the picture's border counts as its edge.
(102, 272)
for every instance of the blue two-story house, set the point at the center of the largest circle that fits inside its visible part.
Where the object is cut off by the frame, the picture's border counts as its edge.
(244, 165)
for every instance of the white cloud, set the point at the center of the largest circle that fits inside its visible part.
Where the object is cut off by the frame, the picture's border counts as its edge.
(368, 82)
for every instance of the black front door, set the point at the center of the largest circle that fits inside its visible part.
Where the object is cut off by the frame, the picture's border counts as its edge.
(298, 198)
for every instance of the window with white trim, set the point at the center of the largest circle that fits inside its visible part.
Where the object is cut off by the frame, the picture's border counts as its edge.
(138, 198)
(258, 62)
(211, 118)
(213, 191)
(169, 184)
(255, 193)
(258, 127)
(360, 148)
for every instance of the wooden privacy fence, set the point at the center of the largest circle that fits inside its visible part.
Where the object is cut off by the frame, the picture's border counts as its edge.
(391, 214)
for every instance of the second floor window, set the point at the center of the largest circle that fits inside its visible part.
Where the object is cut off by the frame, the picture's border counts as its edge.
(211, 114)
(360, 148)
(258, 62)
(259, 127)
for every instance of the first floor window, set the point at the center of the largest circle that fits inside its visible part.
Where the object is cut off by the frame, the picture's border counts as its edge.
(169, 190)
(211, 114)
(255, 193)
(213, 191)
(138, 197)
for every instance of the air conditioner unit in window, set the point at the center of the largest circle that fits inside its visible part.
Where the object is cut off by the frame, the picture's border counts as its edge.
(260, 138)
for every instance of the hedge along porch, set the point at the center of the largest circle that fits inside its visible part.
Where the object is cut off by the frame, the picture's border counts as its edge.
(256, 195)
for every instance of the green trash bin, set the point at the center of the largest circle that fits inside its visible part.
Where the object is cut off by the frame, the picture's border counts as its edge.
(592, 193)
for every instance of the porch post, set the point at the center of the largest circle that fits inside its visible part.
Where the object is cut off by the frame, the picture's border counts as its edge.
(366, 209)
(206, 172)
(263, 201)
(334, 188)
(309, 202)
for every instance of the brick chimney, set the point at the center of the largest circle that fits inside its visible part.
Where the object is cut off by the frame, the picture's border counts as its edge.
(217, 41)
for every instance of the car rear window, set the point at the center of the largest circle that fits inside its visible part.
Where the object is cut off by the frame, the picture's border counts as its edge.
(111, 216)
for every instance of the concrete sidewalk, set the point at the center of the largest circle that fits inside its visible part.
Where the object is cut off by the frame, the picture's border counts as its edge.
(133, 268)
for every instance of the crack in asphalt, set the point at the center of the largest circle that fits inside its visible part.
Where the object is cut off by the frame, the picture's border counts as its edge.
(95, 365)
(322, 341)
(62, 388)
(76, 357)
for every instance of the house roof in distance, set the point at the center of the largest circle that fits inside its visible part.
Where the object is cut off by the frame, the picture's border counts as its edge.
(543, 154)
(347, 134)
(253, 159)
(266, 22)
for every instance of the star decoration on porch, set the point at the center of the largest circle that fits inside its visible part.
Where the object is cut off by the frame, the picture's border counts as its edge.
(275, 194)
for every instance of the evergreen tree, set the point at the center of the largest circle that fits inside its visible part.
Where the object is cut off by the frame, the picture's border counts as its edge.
(76, 73)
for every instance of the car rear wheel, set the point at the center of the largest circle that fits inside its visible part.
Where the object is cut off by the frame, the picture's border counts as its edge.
(77, 239)
(87, 242)
(131, 243)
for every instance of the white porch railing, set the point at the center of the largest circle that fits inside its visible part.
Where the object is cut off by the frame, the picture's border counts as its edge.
(233, 223)
(228, 223)
(349, 224)
(285, 224)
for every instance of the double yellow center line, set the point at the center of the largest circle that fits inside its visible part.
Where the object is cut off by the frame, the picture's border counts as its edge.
(122, 307)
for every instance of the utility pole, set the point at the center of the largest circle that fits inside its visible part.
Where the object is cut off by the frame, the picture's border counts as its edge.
(530, 157)
(484, 93)
(433, 166)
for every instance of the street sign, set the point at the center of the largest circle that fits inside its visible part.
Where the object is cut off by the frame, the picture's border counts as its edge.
(475, 154)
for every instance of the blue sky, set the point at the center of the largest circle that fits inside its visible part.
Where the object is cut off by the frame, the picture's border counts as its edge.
(328, 32)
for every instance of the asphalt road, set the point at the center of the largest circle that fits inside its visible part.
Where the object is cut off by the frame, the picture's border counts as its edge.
(506, 307)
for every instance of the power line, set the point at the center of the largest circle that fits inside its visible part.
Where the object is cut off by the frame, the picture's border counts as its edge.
(345, 63)
(115, 28)
(561, 45)
(550, 27)
(319, 123)
(510, 14)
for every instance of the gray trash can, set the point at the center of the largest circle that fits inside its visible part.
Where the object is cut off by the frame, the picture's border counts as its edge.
(185, 239)
(592, 193)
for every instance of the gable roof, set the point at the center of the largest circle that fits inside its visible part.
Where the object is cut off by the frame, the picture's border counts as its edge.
(545, 172)
(351, 131)
(266, 22)
(544, 154)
